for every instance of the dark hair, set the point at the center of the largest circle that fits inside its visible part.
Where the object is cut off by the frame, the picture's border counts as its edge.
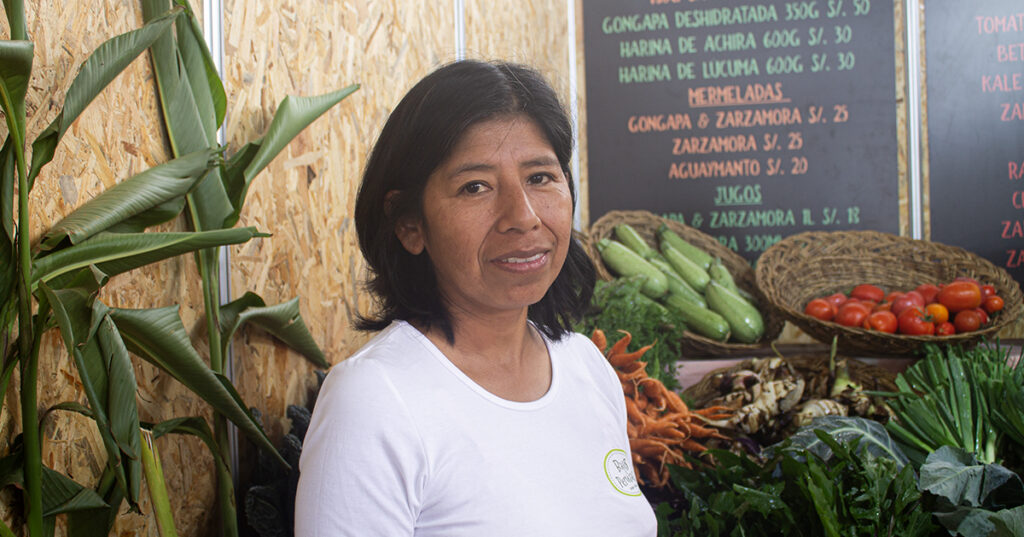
(417, 138)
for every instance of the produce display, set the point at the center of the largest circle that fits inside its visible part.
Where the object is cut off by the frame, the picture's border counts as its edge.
(962, 305)
(943, 458)
(687, 280)
(661, 427)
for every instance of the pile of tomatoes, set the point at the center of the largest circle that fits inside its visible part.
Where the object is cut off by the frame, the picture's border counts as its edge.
(962, 305)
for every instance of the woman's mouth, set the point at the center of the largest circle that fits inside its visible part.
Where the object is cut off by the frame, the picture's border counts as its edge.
(523, 262)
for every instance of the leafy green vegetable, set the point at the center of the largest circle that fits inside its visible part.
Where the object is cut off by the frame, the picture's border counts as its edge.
(797, 492)
(966, 398)
(971, 498)
(871, 435)
(620, 305)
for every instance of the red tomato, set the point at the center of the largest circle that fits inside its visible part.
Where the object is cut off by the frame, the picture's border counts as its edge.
(893, 295)
(928, 291)
(882, 321)
(967, 321)
(983, 314)
(914, 322)
(866, 291)
(908, 300)
(945, 329)
(959, 296)
(836, 299)
(852, 314)
(987, 290)
(966, 279)
(820, 308)
(993, 303)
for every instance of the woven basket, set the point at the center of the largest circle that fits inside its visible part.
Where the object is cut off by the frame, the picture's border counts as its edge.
(813, 368)
(818, 263)
(647, 224)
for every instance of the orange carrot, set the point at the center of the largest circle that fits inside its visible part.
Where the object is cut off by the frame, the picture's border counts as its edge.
(620, 346)
(599, 339)
(621, 359)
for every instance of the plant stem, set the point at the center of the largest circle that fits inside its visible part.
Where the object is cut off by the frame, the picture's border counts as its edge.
(157, 486)
(29, 351)
(225, 481)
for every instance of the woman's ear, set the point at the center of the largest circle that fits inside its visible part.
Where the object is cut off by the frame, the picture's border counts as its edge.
(408, 230)
(410, 233)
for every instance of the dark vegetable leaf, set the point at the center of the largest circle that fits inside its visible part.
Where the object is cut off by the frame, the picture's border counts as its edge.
(870, 435)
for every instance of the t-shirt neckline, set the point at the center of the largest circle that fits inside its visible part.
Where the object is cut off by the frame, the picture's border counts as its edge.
(540, 402)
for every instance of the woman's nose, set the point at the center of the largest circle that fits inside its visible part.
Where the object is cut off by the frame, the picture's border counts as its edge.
(516, 210)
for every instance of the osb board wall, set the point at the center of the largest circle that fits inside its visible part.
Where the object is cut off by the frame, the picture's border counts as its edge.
(306, 197)
(117, 136)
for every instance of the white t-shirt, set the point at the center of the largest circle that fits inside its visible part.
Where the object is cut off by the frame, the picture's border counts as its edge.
(403, 443)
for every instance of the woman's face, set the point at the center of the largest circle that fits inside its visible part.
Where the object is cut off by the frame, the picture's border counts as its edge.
(497, 218)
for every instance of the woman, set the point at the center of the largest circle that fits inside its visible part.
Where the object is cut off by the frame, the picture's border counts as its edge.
(476, 411)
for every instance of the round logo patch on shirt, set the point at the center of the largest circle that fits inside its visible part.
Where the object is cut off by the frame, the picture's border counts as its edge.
(619, 470)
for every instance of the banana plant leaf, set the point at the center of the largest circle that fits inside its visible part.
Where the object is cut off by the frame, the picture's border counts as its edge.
(193, 425)
(107, 377)
(15, 71)
(283, 321)
(114, 253)
(159, 337)
(94, 522)
(133, 198)
(178, 75)
(15, 10)
(98, 70)
(210, 97)
(61, 494)
(293, 115)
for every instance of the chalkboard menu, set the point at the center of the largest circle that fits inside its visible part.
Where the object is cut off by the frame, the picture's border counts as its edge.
(975, 83)
(747, 120)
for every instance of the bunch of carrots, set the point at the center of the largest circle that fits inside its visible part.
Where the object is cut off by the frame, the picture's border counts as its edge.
(660, 426)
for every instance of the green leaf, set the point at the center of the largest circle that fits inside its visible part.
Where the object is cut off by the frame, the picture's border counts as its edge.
(15, 71)
(64, 495)
(159, 337)
(107, 377)
(133, 197)
(283, 321)
(15, 10)
(98, 70)
(93, 522)
(8, 178)
(182, 113)
(293, 115)
(207, 88)
(122, 408)
(869, 434)
(194, 426)
(114, 253)
(957, 476)
(1008, 522)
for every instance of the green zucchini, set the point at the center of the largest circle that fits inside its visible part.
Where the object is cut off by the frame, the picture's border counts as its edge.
(745, 322)
(676, 283)
(698, 256)
(703, 321)
(628, 235)
(694, 275)
(721, 274)
(626, 262)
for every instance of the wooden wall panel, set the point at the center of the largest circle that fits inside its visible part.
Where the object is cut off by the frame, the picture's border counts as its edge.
(306, 197)
(117, 136)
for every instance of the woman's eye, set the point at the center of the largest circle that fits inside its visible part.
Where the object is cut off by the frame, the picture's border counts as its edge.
(474, 187)
(539, 178)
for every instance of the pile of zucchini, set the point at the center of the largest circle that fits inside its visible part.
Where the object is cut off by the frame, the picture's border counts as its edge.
(687, 280)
